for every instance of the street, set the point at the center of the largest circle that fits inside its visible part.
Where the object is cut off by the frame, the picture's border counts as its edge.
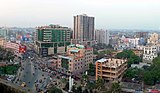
(32, 74)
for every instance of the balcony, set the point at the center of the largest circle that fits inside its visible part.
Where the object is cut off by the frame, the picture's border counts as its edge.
(111, 71)
(109, 76)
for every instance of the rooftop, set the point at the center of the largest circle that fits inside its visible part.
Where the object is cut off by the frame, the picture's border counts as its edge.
(51, 26)
(114, 63)
(66, 57)
(102, 60)
(77, 46)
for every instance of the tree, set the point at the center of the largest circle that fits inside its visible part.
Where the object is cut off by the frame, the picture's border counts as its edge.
(99, 83)
(67, 86)
(79, 89)
(115, 88)
(73, 89)
(55, 90)
(91, 70)
(149, 78)
(130, 56)
(86, 91)
(152, 74)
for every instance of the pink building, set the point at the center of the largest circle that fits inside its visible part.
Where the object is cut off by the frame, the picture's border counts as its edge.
(12, 45)
(76, 60)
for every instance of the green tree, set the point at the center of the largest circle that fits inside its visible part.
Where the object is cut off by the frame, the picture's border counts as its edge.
(116, 88)
(79, 89)
(66, 86)
(149, 78)
(73, 89)
(55, 90)
(130, 56)
(99, 83)
(91, 70)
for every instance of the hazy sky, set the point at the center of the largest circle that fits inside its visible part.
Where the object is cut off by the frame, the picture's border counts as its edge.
(109, 14)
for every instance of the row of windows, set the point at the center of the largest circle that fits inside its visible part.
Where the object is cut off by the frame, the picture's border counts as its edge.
(79, 60)
(89, 60)
(88, 53)
(89, 57)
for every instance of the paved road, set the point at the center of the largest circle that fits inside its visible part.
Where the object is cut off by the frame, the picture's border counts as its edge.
(31, 72)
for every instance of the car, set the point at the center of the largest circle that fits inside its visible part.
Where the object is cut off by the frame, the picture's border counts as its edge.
(23, 84)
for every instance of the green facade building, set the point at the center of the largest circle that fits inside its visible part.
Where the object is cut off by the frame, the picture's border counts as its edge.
(52, 39)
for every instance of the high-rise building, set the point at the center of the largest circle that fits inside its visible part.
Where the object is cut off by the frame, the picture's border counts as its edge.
(3, 32)
(102, 36)
(83, 28)
(52, 39)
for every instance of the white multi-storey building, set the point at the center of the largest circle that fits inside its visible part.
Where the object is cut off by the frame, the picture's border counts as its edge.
(102, 36)
(134, 41)
(150, 52)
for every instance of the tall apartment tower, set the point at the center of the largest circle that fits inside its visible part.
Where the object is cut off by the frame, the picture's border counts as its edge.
(102, 36)
(83, 28)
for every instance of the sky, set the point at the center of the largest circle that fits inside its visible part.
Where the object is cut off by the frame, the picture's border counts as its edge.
(109, 14)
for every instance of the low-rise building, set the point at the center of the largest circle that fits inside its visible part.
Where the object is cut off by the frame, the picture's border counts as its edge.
(149, 53)
(138, 52)
(110, 69)
(153, 38)
(12, 45)
(16, 47)
(140, 65)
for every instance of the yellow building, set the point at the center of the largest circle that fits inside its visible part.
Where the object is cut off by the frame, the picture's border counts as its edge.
(138, 52)
(2, 42)
(110, 69)
(153, 38)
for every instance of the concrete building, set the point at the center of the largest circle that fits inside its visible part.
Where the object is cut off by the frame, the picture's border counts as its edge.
(102, 36)
(110, 69)
(3, 33)
(2, 42)
(133, 41)
(12, 45)
(142, 34)
(52, 39)
(83, 29)
(149, 53)
(76, 60)
(140, 65)
(138, 52)
(153, 38)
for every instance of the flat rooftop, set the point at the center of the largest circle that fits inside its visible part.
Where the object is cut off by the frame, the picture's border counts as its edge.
(113, 63)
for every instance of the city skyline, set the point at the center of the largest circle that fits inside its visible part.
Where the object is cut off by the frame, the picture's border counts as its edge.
(109, 14)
